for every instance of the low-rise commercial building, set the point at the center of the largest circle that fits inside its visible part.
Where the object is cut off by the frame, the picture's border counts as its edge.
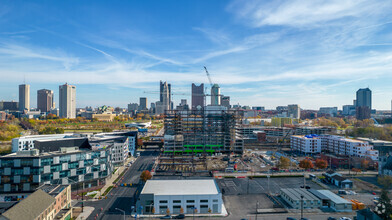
(191, 196)
(331, 200)
(295, 196)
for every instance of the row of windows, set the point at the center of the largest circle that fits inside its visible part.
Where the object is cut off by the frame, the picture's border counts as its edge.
(188, 201)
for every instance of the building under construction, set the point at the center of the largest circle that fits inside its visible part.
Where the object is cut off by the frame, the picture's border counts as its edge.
(205, 131)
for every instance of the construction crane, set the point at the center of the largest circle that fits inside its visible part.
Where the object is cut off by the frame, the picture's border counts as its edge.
(209, 76)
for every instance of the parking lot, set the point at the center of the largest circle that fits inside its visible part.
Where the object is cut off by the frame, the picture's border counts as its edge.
(242, 186)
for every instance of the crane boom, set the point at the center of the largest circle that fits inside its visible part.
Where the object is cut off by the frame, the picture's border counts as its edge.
(208, 75)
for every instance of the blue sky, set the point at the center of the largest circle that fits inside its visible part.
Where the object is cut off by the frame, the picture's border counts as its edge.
(262, 53)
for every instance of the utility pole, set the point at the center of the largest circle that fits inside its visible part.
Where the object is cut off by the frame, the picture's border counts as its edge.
(257, 207)
(302, 206)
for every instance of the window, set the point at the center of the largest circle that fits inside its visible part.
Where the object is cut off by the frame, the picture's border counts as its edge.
(176, 201)
(163, 201)
(190, 201)
(204, 201)
(215, 200)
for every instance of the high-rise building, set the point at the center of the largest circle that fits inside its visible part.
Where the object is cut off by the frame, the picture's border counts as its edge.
(143, 103)
(363, 104)
(225, 101)
(294, 111)
(197, 96)
(364, 98)
(164, 103)
(215, 95)
(44, 100)
(67, 98)
(24, 97)
(133, 107)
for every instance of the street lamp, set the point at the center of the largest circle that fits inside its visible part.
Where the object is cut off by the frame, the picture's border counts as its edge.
(302, 206)
(257, 206)
(121, 211)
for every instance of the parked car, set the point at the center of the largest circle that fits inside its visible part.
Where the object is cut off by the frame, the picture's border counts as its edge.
(166, 217)
(180, 216)
(290, 218)
(332, 218)
(345, 218)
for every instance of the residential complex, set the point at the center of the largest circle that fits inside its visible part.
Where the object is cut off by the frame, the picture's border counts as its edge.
(337, 145)
(46, 203)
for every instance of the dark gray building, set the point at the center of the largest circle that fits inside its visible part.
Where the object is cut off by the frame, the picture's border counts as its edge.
(197, 96)
(44, 100)
(363, 103)
(11, 106)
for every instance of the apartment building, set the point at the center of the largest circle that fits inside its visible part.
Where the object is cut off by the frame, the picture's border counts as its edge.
(337, 145)
(308, 144)
(25, 171)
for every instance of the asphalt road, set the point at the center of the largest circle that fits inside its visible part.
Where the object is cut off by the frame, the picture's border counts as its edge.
(123, 197)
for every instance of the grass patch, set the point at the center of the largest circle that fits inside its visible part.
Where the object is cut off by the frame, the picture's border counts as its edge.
(92, 195)
(107, 190)
(114, 171)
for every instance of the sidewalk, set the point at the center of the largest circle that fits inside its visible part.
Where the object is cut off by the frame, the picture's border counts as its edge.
(86, 213)
(110, 181)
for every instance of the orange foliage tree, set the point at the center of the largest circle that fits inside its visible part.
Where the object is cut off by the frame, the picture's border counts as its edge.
(306, 164)
(321, 164)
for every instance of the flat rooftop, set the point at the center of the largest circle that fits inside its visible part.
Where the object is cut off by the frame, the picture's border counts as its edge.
(333, 197)
(181, 187)
(295, 194)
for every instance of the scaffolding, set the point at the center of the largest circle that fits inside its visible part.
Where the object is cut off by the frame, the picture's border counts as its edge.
(202, 132)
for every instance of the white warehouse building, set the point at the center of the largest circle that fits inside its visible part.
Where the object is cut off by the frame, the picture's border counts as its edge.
(192, 196)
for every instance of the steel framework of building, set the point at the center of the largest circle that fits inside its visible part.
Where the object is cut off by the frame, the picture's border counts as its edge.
(202, 132)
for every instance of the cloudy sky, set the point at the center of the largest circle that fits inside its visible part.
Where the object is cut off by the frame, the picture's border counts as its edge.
(261, 53)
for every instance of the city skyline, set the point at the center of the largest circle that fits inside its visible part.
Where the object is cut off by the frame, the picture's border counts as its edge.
(260, 54)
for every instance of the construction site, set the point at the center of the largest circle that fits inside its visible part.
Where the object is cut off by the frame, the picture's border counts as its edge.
(193, 136)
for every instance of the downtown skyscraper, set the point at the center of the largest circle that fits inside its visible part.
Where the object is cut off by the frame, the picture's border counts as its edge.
(67, 101)
(24, 97)
(197, 96)
(45, 100)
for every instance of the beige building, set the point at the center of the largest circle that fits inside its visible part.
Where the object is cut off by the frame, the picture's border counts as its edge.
(67, 102)
(45, 100)
(24, 97)
(104, 116)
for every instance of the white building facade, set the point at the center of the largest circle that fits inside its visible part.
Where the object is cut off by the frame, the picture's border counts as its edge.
(191, 196)
(309, 144)
(337, 145)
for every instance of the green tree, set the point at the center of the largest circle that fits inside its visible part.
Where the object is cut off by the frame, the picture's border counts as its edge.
(385, 181)
(384, 207)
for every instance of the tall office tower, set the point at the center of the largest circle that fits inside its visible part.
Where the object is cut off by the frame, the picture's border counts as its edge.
(363, 104)
(24, 97)
(67, 99)
(143, 103)
(294, 111)
(197, 96)
(364, 98)
(165, 92)
(164, 99)
(45, 100)
(215, 95)
(225, 101)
